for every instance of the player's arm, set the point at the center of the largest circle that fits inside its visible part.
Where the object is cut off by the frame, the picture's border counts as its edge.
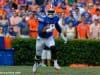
(45, 29)
(57, 26)
(42, 28)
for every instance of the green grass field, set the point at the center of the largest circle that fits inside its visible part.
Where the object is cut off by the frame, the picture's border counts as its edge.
(27, 70)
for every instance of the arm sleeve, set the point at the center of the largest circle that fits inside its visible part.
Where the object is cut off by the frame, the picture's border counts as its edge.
(58, 27)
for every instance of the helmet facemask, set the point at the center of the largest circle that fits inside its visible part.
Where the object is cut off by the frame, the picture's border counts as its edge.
(51, 13)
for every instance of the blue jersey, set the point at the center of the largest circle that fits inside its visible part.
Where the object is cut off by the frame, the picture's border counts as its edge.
(48, 21)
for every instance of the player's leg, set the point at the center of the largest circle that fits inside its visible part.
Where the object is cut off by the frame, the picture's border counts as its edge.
(54, 55)
(39, 47)
(48, 57)
(51, 44)
(43, 57)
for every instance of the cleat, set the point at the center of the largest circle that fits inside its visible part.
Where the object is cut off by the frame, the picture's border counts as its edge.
(57, 67)
(35, 66)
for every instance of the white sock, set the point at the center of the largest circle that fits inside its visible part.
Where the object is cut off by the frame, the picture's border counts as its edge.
(55, 62)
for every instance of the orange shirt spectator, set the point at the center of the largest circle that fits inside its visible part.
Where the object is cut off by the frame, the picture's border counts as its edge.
(2, 2)
(90, 1)
(92, 9)
(67, 11)
(16, 1)
(1, 11)
(33, 25)
(83, 31)
(58, 10)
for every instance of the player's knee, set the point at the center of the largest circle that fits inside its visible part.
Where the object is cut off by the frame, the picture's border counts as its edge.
(37, 58)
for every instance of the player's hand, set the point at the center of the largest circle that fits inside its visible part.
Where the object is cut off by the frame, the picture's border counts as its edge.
(45, 28)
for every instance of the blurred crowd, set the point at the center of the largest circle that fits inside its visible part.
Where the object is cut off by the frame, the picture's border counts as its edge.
(79, 19)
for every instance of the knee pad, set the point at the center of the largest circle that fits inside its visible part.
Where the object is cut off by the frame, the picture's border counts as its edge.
(37, 59)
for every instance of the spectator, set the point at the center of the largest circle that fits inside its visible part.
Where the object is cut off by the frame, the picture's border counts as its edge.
(87, 15)
(76, 14)
(70, 31)
(11, 33)
(89, 1)
(39, 2)
(71, 2)
(97, 3)
(63, 26)
(58, 9)
(1, 11)
(95, 30)
(23, 25)
(92, 9)
(62, 19)
(10, 14)
(63, 5)
(33, 24)
(14, 5)
(26, 8)
(7, 6)
(4, 23)
(56, 2)
(27, 17)
(2, 2)
(97, 15)
(14, 21)
(71, 19)
(94, 1)
(67, 10)
(81, 3)
(83, 30)
(1, 31)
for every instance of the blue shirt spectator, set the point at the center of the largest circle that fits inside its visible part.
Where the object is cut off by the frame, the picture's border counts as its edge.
(88, 17)
(11, 33)
(71, 19)
(7, 7)
(9, 15)
(55, 2)
(23, 25)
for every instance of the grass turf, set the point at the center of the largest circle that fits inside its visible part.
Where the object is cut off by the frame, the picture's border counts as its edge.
(27, 70)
